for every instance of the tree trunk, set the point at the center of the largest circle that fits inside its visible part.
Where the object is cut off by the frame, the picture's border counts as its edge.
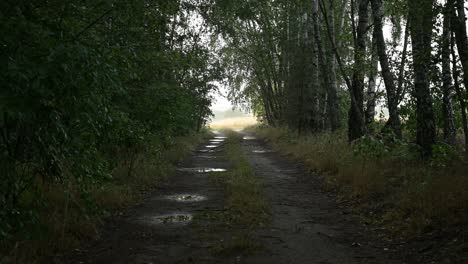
(458, 90)
(404, 54)
(332, 105)
(393, 122)
(332, 90)
(421, 32)
(371, 89)
(447, 85)
(303, 84)
(459, 27)
(356, 123)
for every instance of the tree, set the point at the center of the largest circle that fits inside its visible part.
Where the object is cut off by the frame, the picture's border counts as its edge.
(447, 84)
(356, 122)
(421, 32)
(392, 99)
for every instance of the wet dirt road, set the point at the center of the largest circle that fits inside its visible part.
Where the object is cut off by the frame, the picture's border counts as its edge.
(307, 226)
(161, 228)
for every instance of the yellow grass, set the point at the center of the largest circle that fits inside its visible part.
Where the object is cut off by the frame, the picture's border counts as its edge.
(234, 123)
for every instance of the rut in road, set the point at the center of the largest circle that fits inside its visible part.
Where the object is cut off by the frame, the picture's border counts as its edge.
(306, 225)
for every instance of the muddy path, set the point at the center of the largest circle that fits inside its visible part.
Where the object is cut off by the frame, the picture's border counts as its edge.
(306, 225)
(161, 228)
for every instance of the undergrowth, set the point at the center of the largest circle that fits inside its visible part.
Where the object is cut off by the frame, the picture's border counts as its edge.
(386, 179)
(72, 212)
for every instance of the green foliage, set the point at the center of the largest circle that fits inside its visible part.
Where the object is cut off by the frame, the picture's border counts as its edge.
(444, 154)
(370, 147)
(387, 146)
(86, 86)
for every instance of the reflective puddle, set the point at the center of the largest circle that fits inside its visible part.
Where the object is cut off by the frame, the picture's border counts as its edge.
(211, 146)
(216, 140)
(262, 151)
(220, 137)
(205, 157)
(174, 218)
(206, 151)
(202, 170)
(212, 170)
(249, 138)
(186, 198)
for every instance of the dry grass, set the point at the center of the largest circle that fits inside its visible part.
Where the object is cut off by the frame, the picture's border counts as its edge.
(405, 195)
(234, 123)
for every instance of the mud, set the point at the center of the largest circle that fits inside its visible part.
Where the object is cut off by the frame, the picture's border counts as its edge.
(306, 224)
(164, 228)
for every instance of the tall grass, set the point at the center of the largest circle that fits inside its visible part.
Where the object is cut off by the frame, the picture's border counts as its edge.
(397, 190)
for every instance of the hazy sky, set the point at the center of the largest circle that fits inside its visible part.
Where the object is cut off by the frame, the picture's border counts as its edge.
(221, 103)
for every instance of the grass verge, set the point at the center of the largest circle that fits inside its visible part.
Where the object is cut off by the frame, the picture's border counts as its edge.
(389, 186)
(245, 206)
(72, 213)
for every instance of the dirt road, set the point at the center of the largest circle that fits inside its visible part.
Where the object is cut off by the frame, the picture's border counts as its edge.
(307, 226)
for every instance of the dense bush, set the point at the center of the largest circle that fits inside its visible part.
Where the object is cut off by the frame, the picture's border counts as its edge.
(86, 86)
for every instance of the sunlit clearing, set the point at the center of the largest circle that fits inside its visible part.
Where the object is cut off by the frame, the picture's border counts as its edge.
(235, 123)
(232, 119)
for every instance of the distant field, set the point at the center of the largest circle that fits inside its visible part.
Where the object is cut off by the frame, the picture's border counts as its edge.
(236, 123)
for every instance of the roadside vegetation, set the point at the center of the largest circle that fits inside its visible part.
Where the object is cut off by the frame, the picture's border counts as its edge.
(95, 97)
(389, 184)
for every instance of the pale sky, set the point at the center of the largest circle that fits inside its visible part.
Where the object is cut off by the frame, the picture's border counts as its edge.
(221, 103)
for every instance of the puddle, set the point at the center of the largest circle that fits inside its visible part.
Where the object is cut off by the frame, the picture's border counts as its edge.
(216, 140)
(212, 170)
(186, 198)
(205, 157)
(211, 146)
(202, 170)
(220, 137)
(167, 219)
(262, 151)
(206, 151)
(249, 138)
